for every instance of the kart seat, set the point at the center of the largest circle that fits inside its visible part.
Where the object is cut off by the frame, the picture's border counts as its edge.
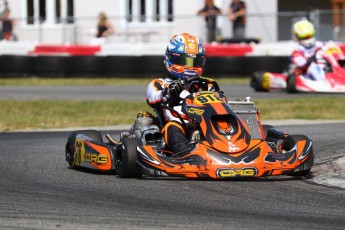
(159, 119)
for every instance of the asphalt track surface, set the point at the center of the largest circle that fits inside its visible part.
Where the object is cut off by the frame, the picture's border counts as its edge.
(39, 191)
(129, 93)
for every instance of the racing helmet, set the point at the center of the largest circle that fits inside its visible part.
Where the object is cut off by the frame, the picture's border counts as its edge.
(185, 56)
(304, 33)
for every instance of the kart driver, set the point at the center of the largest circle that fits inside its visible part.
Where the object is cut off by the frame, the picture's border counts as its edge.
(184, 58)
(306, 53)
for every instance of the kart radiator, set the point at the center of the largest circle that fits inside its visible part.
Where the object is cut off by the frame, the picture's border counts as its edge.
(246, 110)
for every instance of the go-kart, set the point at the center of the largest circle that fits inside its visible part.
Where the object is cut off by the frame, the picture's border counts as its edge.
(227, 140)
(330, 58)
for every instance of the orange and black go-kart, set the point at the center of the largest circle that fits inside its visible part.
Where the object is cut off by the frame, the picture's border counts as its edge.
(227, 140)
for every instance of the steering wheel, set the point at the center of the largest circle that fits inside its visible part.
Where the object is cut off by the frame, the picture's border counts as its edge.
(194, 84)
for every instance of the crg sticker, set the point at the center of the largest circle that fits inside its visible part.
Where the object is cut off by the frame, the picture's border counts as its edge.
(233, 172)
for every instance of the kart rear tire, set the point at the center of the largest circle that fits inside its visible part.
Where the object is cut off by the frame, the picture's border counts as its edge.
(70, 145)
(291, 84)
(257, 81)
(126, 158)
(266, 128)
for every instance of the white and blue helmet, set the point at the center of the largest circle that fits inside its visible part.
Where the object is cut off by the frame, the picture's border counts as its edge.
(185, 56)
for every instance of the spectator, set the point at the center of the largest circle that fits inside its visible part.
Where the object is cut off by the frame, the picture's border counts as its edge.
(104, 26)
(7, 26)
(104, 29)
(210, 12)
(237, 14)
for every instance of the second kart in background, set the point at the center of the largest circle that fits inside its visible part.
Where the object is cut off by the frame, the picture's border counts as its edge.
(330, 58)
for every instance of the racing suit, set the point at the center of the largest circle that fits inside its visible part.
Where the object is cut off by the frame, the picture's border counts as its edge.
(156, 94)
(305, 60)
(173, 132)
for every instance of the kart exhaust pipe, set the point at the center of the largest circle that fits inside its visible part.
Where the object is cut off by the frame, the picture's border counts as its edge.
(112, 140)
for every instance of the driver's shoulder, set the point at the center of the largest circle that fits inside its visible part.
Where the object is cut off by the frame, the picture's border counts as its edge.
(161, 80)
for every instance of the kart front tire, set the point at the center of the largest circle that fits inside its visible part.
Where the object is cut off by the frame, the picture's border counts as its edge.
(70, 145)
(288, 144)
(126, 158)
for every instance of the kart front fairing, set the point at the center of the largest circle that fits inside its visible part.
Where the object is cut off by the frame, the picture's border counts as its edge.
(205, 162)
(333, 82)
(226, 151)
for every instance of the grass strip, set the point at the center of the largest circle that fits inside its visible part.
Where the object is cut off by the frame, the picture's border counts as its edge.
(45, 114)
(311, 108)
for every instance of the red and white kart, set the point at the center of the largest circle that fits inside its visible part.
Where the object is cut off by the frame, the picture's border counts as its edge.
(330, 58)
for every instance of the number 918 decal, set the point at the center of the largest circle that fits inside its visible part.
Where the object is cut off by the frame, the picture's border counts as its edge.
(207, 98)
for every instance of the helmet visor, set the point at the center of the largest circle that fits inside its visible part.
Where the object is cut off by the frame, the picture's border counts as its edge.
(187, 61)
(305, 37)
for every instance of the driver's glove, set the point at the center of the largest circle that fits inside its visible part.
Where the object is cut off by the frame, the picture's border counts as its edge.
(175, 88)
(171, 95)
(311, 59)
(165, 95)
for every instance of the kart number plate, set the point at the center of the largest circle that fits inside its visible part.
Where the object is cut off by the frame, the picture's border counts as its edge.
(207, 98)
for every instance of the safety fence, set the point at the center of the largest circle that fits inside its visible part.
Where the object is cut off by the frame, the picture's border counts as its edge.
(268, 27)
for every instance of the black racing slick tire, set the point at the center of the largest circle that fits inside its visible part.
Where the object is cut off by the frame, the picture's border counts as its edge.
(266, 128)
(288, 144)
(126, 158)
(70, 145)
(291, 84)
(259, 82)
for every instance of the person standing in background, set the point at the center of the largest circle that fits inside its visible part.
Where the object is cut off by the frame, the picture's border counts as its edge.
(237, 14)
(7, 26)
(104, 26)
(210, 12)
(103, 30)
